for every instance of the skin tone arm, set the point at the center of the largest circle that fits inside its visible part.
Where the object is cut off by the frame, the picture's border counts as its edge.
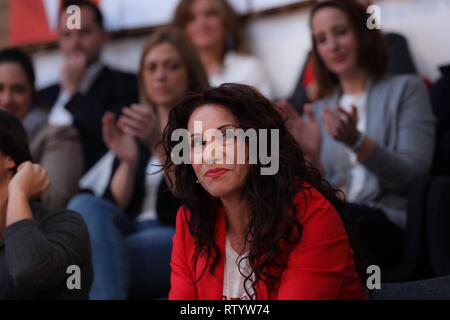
(72, 72)
(306, 133)
(137, 122)
(144, 123)
(122, 184)
(342, 126)
(29, 183)
(125, 148)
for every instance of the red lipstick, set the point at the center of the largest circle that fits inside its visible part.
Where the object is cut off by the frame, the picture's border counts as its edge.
(216, 173)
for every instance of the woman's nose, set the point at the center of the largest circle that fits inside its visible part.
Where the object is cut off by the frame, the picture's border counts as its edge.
(213, 153)
(5, 98)
(161, 74)
(332, 43)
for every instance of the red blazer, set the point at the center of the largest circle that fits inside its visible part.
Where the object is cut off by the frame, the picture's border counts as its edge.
(320, 267)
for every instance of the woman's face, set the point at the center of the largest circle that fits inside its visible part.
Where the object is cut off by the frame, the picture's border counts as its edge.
(335, 40)
(219, 172)
(206, 28)
(15, 90)
(165, 75)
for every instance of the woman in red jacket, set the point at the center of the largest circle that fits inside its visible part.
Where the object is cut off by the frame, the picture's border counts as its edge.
(244, 232)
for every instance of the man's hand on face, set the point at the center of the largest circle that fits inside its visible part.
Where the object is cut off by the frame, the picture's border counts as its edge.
(72, 72)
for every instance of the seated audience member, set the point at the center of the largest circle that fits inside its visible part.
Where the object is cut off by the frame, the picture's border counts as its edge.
(88, 88)
(440, 99)
(400, 62)
(242, 234)
(372, 134)
(37, 245)
(56, 148)
(131, 234)
(215, 30)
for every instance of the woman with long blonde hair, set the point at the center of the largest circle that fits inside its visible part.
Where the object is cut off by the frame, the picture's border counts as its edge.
(132, 227)
(215, 29)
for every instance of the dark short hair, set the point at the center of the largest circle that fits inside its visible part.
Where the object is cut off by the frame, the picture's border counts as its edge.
(98, 15)
(24, 61)
(13, 139)
(372, 45)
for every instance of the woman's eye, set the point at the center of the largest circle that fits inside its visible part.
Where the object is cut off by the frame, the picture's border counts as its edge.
(341, 31)
(174, 66)
(151, 67)
(18, 90)
(228, 135)
(320, 39)
(211, 13)
(196, 143)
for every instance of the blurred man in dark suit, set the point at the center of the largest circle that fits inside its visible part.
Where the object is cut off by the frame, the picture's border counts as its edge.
(87, 88)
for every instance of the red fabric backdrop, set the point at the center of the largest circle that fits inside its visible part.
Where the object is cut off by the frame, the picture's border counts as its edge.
(28, 23)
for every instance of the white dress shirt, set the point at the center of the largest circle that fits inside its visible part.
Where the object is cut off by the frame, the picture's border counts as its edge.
(358, 171)
(153, 179)
(234, 281)
(59, 115)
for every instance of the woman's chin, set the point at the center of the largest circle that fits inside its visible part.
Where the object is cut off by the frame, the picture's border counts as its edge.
(341, 69)
(217, 191)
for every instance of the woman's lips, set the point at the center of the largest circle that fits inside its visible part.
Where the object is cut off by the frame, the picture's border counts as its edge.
(215, 173)
(162, 90)
(338, 58)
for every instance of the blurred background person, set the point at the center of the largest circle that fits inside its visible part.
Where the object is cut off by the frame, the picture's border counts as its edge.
(87, 88)
(400, 62)
(37, 244)
(131, 234)
(216, 31)
(372, 135)
(56, 148)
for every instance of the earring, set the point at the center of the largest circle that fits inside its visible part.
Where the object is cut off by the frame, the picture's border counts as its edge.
(198, 181)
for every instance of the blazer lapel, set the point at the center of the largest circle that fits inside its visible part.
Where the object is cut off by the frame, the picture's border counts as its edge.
(211, 285)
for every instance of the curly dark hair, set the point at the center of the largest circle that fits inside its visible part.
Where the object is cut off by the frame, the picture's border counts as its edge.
(13, 139)
(274, 229)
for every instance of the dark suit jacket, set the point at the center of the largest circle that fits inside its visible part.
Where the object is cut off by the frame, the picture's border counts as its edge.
(400, 62)
(111, 91)
(166, 205)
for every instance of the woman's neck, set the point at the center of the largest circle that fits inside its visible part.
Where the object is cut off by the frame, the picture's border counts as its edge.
(354, 82)
(212, 59)
(237, 213)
